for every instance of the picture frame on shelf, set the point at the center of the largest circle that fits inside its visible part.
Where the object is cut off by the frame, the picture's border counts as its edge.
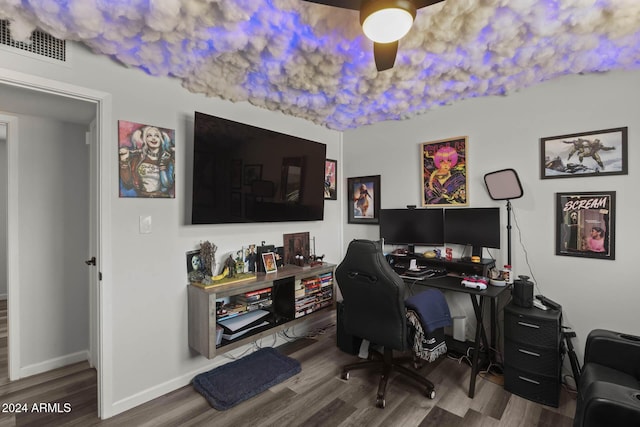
(443, 166)
(269, 261)
(585, 154)
(194, 262)
(585, 224)
(330, 179)
(363, 200)
(296, 245)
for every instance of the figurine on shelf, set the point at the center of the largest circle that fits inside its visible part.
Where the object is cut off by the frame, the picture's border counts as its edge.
(317, 260)
(239, 262)
(208, 257)
(250, 258)
(230, 264)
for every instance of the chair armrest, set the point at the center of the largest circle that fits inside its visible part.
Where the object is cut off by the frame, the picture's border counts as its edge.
(615, 350)
(607, 404)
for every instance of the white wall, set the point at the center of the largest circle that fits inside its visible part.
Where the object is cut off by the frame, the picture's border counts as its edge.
(504, 132)
(53, 210)
(149, 332)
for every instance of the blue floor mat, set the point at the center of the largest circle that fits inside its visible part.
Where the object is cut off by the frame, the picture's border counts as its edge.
(237, 381)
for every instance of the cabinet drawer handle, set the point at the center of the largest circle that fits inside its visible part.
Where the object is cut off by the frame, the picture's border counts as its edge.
(529, 380)
(530, 353)
(529, 325)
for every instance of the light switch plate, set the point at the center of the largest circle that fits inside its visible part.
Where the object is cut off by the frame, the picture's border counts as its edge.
(145, 224)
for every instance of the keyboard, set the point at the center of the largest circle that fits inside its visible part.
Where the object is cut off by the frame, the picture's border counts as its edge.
(426, 272)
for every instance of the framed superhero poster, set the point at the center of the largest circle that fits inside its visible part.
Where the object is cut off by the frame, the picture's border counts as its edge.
(147, 160)
(585, 224)
(594, 153)
(363, 205)
(444, 172)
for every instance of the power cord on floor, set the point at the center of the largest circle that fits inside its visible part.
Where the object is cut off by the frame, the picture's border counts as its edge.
(285, 334)
(314, 333)
(465, 357)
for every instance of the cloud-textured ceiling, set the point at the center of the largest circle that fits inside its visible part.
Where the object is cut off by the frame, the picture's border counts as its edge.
(312, 61)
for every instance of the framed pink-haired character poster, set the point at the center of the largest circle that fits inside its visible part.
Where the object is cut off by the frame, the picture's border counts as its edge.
(444, 172)
(146, 160)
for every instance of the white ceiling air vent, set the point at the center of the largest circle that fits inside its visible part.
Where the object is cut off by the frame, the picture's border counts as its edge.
(42, 44)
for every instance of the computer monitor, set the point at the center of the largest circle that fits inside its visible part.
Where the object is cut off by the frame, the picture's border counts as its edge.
(412, 227)
(478, 227)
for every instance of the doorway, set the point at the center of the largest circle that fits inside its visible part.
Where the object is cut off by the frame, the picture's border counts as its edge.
(20, 348)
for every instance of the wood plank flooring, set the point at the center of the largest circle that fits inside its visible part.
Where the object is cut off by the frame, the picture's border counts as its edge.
(315, 397)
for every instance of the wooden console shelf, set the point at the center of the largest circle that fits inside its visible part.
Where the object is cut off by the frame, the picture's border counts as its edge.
(296, 294)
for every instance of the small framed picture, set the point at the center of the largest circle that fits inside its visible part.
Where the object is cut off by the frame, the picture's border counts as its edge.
(364, 200)
(330, 179)
(194, 262)
(585, 224)
(269, 259)
(594, 153)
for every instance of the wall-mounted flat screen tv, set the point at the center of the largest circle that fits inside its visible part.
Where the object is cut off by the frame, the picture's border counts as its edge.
(243, 173)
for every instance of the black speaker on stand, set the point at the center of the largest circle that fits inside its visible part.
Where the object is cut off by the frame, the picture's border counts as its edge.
(523, 292)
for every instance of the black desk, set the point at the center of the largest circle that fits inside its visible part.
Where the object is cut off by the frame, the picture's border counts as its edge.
(478, 298)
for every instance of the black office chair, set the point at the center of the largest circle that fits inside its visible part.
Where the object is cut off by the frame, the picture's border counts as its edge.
(609, 385)
(373, 301)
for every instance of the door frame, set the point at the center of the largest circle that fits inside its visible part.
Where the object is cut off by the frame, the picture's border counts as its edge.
(103, 320)
(13, 293)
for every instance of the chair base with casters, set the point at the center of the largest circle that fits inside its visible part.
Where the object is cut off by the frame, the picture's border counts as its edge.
(386, 363)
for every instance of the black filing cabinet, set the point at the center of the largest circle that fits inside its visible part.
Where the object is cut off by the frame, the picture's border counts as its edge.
(532, 353)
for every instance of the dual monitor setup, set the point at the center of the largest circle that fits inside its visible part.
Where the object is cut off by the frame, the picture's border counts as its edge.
(476, 227)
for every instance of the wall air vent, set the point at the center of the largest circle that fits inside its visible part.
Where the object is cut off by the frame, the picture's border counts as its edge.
(42, 44)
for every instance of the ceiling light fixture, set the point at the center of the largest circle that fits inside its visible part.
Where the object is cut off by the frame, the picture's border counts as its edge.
(386, 21)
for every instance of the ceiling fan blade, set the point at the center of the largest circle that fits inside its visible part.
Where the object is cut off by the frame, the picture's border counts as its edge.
(385, 55)
(355, 4)
(425, 3)
(345, 4)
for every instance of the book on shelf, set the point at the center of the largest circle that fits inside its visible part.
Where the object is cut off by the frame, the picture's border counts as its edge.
(248, 297)
(230, 310)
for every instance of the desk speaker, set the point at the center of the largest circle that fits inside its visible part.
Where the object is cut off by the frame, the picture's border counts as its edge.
(523, 292)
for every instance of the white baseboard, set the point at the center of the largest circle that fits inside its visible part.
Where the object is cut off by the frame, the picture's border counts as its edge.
(3, 296)
(275, 340)
(56, 363)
